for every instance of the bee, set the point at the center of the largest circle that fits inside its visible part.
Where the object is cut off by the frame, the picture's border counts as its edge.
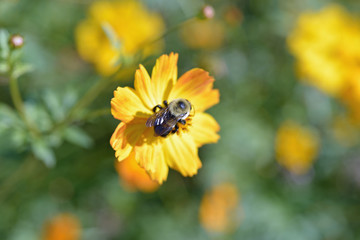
(166, 119)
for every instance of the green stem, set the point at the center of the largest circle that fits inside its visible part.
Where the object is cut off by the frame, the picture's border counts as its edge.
(16, 97)
(19, 104)
(87, 99)
(97, 113)
(90, 96)
(170, 30)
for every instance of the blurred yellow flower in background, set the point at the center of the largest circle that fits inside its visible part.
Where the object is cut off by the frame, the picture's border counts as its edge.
(296, 147)
(220, 211)
(135, 177)
(326, 46)
(129, 22)
(64, 226)
(204, 34)
(132, 139)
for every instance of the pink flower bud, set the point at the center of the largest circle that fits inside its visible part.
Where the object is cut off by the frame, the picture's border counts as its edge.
(207, 12)
(16, 41)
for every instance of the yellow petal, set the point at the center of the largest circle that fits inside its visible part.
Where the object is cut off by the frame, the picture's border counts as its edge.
(164, 76)
(150, 155)
(181, 154)
(125, 137)
(196, 86)
(127, 106)
(119, 143)
(144, 88)
(161, 171)
(204, 129)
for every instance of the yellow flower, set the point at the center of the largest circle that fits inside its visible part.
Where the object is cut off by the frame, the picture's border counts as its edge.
(64, 226)
(296, 147)
(219, 210)
(129, 21)
(134, 177)
(326, 45)
(132, 139)
(205, 34)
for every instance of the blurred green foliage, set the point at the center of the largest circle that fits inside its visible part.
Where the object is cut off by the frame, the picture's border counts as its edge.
(67, 165)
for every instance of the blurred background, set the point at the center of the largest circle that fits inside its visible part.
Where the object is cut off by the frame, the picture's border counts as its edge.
(287, 165)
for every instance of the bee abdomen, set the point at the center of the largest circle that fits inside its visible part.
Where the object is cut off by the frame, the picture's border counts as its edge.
(162, 130)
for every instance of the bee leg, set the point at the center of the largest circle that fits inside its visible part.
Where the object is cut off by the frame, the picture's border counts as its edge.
(176, 128)
(182, 121)
(157, 106)
(166, 103)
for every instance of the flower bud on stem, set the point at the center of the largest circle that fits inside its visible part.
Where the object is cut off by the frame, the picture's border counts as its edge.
(16, 41)
(206, 12)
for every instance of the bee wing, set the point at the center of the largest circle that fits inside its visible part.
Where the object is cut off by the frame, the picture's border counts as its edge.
(157, 118)
(166, 127)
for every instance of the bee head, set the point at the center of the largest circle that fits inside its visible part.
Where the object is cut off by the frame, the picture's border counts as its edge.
(180, 107)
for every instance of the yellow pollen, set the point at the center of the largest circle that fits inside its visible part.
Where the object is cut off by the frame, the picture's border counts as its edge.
(184, 128)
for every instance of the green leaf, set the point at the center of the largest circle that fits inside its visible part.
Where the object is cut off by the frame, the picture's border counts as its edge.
(55, 139)
(4, 44)
(15, 55)
(44, 153)
(19, 137)
(8, 117)
(38, 115)
(77, 136)
(12, 128)
(54, 105)
(4, 67)
(21, 69)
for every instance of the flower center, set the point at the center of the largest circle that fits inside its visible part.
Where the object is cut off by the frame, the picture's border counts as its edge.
(184, 127)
